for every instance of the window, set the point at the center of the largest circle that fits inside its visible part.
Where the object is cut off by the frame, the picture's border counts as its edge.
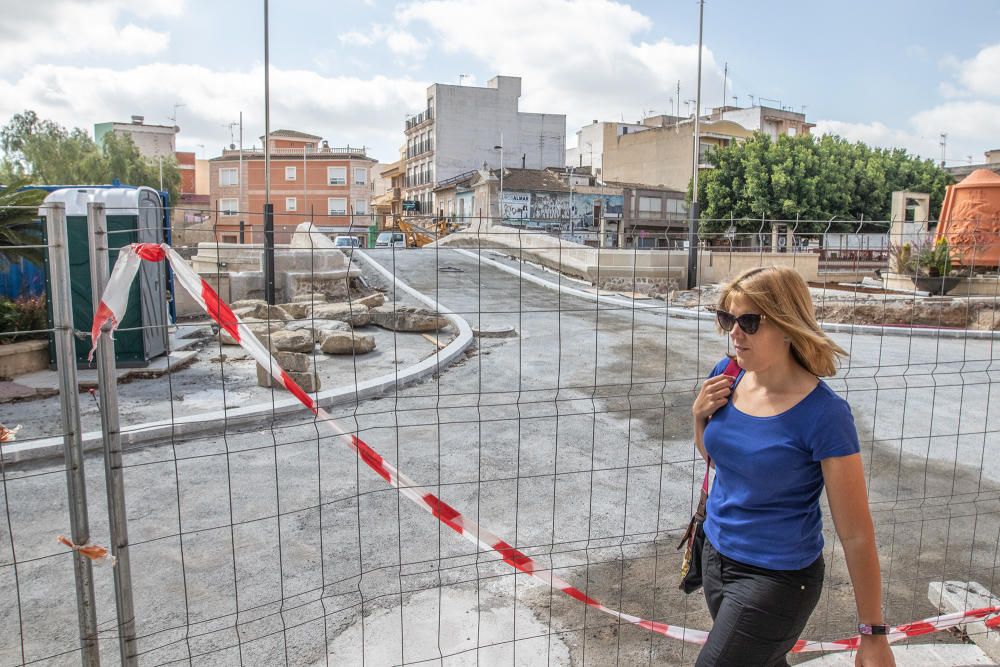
(230, 238)
(336, 175)
(289, 173)
(336, 205)
(791, 131)
(650, 207)
(290, 204)
(676, 207)
(360, 175)
(228, 206)
(229, 176)
(360, 206)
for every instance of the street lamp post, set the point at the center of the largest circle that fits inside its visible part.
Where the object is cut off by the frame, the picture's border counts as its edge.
(268, 206)
(500, 197)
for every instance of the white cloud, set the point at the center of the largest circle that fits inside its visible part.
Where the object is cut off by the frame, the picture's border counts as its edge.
(584, 58)
(966, 120)
(345, 110)
(399, 42)
(59, 28)
(981, 73)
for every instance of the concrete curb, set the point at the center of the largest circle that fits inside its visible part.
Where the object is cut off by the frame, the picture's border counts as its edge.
(688, 314)
(202, 423)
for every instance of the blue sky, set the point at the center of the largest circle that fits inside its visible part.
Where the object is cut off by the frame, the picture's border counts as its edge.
(888, 72)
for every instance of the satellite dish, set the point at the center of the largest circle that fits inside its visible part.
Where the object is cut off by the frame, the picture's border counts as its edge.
(232, 147)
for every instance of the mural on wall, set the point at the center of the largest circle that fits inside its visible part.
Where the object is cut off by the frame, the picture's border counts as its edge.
(559, 207)
(516, 206)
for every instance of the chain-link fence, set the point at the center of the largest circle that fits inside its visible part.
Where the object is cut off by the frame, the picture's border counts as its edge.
(537, 387)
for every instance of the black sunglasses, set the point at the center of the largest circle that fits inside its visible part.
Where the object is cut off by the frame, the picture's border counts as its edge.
(749, 322)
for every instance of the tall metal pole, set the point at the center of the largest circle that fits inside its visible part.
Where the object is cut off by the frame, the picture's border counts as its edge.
(69, 403)
(114, 480)
(268, 206)
(693, 212)
(240, 183)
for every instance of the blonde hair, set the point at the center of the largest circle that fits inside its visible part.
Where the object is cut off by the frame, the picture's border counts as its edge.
(782, 296)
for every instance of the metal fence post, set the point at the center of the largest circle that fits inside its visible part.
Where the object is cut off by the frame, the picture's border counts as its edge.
(69, 400)
(97, 231)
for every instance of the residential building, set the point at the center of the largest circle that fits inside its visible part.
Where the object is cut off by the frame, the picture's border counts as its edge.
(992, 163)
(153, 141)
(662, 156)
(387, 201)
(463, 127)
(772, 122)
(310, 180)
(186, 165)
(589, 149)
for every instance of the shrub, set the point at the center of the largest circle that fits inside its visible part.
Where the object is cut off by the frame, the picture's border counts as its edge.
(23, 314)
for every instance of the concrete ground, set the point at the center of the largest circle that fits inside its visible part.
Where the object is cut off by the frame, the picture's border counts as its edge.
(571, 441)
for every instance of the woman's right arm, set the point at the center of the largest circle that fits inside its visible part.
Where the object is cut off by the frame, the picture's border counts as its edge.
(713, 395)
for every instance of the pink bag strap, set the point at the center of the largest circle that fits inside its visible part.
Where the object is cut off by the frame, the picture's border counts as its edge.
(732, 370)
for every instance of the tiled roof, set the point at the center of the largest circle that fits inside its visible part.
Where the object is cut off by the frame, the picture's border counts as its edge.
(294, 134)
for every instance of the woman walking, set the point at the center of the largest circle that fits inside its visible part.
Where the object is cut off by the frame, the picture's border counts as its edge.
(777, 435)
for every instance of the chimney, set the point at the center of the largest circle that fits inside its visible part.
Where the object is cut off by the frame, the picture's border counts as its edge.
(524, 156)
(137, 120)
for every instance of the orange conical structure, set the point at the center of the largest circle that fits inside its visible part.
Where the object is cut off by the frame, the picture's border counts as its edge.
(970, 220)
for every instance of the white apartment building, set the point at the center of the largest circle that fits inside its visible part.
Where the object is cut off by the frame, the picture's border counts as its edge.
(153, 141)
(589, 149)
(461, 129)
(770, 121)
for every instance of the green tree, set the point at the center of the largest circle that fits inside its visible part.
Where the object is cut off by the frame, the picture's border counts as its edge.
(45, 153)
(809, 179)
(19, 221)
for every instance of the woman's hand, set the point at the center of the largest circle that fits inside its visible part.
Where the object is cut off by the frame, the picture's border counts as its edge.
(874, 652)
(713, 395)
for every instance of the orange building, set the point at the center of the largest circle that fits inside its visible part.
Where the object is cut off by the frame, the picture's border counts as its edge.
(186, 167)
(309, 181)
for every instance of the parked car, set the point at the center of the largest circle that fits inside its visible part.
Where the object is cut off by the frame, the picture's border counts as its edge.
(347, 242)
(390, 239)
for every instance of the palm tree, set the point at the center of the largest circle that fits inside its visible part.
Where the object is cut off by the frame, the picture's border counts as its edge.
(19, 225)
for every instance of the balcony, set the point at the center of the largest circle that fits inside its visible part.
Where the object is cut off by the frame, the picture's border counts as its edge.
(419, 119)
(419, 149)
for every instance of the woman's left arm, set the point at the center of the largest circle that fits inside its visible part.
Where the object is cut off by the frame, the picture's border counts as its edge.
(844, 478)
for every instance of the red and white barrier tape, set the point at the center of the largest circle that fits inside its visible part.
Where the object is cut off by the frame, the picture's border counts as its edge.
(112, 308)
(95, 552)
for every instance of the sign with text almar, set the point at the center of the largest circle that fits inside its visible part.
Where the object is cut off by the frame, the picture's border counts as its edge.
(515, 206)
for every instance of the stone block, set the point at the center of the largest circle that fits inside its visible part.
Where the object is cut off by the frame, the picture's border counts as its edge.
(258, 328)
(340, 342)
(344, 312)
(294, 361)
(291, 341)
(371, 301)
(266, 312)
(407, 318)
(318, 327)
(308, 380)
(295, 310)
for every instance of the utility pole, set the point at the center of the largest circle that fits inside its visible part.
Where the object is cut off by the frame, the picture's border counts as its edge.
(725, 75)
(693, 213)
(268, 206)
(944, 145)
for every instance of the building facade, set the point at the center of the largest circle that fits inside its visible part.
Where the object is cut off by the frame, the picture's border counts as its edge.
(589, 149)
(662, 156)
(772, 122)
(463, 127)
(309, 181)
(153, 141)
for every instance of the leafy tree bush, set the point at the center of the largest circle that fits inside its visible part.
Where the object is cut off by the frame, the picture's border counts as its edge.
(812, 179)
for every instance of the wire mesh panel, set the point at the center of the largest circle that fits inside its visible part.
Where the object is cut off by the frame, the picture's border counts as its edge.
(541, 389)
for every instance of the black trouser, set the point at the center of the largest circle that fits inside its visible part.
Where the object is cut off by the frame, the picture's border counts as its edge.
(758, 614)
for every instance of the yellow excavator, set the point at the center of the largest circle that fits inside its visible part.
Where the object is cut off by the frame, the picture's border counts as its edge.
(428, 231)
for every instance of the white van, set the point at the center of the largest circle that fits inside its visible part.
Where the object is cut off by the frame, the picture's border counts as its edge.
(390, 239)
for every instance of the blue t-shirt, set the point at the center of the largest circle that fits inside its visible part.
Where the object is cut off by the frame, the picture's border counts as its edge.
(763, 507)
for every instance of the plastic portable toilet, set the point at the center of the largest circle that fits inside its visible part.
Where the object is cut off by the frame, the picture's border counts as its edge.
(134, 215)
